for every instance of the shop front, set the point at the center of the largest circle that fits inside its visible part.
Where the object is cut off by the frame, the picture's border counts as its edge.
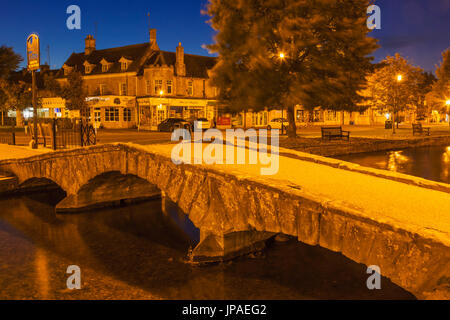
(113, 112)
(152, 111)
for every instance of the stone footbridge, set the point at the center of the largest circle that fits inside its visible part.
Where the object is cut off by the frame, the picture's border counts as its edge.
(382, 219)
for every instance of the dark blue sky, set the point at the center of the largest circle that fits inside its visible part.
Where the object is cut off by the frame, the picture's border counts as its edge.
(418, 29)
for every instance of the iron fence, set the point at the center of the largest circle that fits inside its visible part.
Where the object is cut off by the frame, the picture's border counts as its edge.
(64, 133)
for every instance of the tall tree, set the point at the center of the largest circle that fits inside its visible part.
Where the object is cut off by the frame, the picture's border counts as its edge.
(74, 93)
(440, 92)
(426, 84)
(52, 88)
(281, 53)
(395, 86)
(14, 96)
(9, 61)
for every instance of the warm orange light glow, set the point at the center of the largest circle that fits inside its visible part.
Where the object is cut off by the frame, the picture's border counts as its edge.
(161, 93)
(282, 56)
(399, 77)
(447, 102)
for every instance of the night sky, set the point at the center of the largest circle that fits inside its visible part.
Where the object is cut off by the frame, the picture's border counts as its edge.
(418, 29)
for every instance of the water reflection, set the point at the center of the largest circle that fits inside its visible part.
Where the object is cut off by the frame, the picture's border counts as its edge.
(431, 163)
(139, 252)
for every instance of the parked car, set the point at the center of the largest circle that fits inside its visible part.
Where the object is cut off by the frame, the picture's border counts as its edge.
(278, 123)
(201, 124)
(171, 124)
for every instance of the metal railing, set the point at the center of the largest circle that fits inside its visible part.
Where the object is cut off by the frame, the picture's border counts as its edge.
(64, 133)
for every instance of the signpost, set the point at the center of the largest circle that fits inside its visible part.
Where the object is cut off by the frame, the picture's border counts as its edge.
(33, 57)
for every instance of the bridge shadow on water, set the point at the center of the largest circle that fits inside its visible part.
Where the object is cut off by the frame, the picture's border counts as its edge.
(144, 246)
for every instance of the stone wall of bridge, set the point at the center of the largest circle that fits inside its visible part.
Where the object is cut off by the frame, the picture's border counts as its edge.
(237, 214)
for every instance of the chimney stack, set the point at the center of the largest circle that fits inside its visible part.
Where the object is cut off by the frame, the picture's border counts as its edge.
(180, 66)
(89, 45)
(152, 35)
(153, 43)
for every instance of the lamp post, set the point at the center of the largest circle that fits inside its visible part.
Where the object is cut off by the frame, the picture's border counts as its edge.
(282, 56)
(399, 79)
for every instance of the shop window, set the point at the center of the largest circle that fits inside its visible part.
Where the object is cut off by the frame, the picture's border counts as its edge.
(111, 114)
(127, 114)
(301, 116)
(331, 115)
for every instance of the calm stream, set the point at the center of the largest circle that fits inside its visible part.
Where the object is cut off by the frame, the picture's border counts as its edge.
(139, 252)
(432, 163)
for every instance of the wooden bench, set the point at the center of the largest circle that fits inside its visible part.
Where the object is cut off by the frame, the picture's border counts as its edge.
(417, 128)
(334, 132)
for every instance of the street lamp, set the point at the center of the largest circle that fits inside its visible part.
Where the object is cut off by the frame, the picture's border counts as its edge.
(399, 79)
(281, 55)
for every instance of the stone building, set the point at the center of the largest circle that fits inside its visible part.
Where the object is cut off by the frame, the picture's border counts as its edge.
(140, 85)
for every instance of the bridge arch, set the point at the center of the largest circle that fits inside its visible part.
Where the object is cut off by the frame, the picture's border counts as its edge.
(236, 213)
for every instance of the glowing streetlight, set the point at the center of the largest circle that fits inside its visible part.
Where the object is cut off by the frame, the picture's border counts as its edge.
(161, 93)
(447, 102)
(281, 55)
(399, 78)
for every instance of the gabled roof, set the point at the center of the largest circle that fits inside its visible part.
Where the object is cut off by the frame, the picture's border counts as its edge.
(112, 55)
(142, 56)
(196, 66)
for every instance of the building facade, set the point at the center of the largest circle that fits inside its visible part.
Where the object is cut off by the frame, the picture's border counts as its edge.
(140, 85)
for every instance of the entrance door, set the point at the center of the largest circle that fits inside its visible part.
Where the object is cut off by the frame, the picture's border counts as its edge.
(160, 115)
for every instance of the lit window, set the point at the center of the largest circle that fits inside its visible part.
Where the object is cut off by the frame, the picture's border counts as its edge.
(88, 69)
(111, 114)
(124, 66)
(331, 115)
(158, 86)
(169, 86)
(105, 67)
(191, 88)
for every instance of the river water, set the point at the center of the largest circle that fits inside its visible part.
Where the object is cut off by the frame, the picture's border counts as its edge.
(432, 163)
(139, 252)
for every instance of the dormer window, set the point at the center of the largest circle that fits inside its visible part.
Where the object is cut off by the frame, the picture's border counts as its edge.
(105, 65)
(88, 67)
(124, 64)
(67, 69)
